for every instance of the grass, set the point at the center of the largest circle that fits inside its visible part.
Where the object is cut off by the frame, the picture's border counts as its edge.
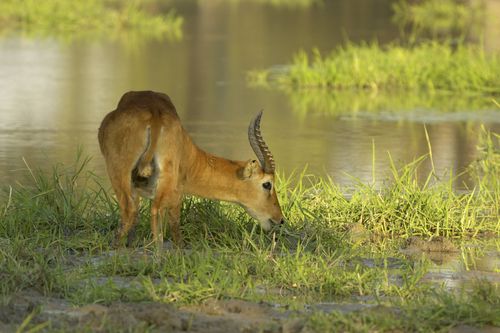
(433, 311)
(428, 67)
(71, 19)
(283, 3)
(55, 232)
(440, 17)
(486, 170)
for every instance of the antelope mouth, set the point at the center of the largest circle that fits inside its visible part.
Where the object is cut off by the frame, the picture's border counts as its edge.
(275, 224)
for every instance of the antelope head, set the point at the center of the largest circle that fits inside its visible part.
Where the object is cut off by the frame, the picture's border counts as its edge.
(260, 201)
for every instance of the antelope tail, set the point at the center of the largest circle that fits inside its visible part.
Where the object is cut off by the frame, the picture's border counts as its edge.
(146, 163)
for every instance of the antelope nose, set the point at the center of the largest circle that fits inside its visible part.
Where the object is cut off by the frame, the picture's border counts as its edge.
(282, 221)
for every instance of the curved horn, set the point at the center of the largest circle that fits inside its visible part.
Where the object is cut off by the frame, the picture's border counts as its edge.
(259, 145)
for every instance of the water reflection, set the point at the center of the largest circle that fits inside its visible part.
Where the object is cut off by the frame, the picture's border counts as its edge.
(53, 94)
(403, 105)
(463, 268)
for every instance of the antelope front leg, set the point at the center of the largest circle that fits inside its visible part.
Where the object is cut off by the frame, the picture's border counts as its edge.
(174, 215)
(131, 232)
(169, 198)
(157, 226)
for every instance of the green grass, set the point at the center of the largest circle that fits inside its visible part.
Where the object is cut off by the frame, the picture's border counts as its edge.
(440, 17)
(55, 232)
(485, 171)
(433, 311)
(428, 67)
(282, 3)
(71, 19)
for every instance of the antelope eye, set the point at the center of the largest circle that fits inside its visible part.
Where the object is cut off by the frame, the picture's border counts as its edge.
(267, 185)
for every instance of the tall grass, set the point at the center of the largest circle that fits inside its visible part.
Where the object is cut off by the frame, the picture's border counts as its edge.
(70, 206)
(428, 67)
(486, 171)
(80, 17)
(440, 17)
(281, 3)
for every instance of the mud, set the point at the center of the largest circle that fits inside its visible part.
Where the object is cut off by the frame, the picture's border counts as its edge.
(211, 316)
(53, 314)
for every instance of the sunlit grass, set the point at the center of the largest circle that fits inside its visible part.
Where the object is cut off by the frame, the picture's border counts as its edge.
(433, 311)
(486, 170)
(440, 17)
(275, 3)
(56, 230)
(71, 19)
(426, 67)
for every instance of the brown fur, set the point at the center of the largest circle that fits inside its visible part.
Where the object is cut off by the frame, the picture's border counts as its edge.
(148, 153)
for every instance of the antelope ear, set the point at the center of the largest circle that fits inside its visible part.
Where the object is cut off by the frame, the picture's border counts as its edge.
(250, 168)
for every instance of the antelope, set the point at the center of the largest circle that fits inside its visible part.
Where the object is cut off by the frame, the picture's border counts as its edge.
(149, 154)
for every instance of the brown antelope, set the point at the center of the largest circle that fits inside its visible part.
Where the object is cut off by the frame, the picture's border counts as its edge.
(149, 154)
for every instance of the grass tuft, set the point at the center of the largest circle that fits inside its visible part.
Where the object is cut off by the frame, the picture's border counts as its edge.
(82, 18)
(440, 17)
(432, 311)
(430, 67)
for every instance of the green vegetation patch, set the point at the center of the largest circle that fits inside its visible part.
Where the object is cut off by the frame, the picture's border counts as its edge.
(81, 17)
(283, 3)
(56, 230)
(433, 311)
(441, 17)
(430, 67)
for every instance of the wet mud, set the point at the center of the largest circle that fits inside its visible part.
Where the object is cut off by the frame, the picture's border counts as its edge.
(211, 316)
(43, 313)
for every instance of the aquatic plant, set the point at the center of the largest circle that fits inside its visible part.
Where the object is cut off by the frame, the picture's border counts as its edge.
(70, 19)
(280, 3)
(430, 66)
(440, 17)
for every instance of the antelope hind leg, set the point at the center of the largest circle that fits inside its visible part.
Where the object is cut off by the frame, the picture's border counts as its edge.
(168, 198)
(128, 202)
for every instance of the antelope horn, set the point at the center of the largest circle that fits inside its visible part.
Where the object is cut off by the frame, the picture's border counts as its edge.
(259, 145)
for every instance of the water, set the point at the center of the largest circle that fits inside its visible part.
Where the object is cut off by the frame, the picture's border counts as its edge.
(54, 92)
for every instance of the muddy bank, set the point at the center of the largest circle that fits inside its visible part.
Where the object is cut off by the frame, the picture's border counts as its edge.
(31, 310)
(211, 316)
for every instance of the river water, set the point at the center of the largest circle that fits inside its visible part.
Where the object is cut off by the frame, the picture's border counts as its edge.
(55, 91)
